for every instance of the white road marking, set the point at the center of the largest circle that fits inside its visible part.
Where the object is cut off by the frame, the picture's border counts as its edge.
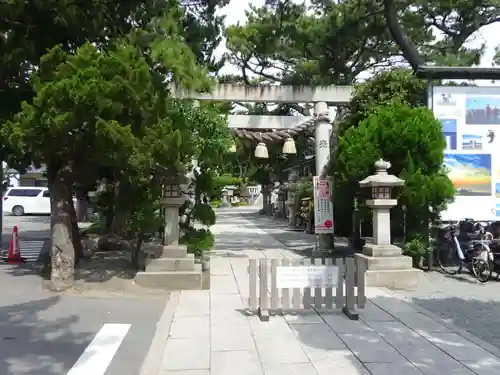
(100, 352)
(30, 250)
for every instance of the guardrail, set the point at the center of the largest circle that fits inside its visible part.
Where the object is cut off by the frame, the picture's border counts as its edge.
(339, 286)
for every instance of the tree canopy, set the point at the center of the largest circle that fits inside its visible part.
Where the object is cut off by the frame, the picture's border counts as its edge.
(102, 112)
(330, 42)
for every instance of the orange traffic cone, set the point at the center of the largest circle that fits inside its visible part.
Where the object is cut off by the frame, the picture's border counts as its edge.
(14, 256)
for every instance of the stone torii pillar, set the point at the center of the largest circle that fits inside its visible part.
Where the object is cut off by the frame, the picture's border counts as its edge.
(322, 135)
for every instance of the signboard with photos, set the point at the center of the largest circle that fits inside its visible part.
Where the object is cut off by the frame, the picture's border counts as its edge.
(470, 117)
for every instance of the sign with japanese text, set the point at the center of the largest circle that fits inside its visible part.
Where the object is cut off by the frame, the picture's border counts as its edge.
(323, 206)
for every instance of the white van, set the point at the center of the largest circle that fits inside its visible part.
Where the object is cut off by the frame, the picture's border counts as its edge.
(21, 201)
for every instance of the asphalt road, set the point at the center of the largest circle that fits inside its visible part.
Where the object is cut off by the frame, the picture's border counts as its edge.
(47, 334)
(30, 227)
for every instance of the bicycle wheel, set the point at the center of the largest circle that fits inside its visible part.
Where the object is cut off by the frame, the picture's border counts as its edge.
(448, 259)
(481, 268)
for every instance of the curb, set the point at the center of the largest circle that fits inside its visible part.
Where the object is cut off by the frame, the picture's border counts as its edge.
(152, 363)
(466, 335)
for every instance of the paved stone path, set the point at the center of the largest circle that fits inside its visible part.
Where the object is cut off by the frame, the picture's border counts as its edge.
(211, 334)
(460, 300)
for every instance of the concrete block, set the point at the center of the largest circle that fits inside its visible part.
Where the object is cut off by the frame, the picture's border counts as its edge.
(174, 251)
(171, 280)
(371, 348)
(408, 279)
(171, 264)
(387, 263)
(223, 337)
(233, 362)
(194, 327)
(183, 354)
(381, 250)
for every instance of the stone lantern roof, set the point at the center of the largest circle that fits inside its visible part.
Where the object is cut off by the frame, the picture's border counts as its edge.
(381, 177)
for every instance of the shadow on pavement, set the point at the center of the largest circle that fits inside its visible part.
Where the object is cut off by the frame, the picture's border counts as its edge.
(457, 311)
(391, 337)
(31, 343)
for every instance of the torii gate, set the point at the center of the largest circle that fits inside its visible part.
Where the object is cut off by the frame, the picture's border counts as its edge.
(321, 96)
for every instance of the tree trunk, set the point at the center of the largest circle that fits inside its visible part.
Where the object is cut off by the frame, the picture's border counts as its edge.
(110, 206)
(82, 208)
(62, 251)
(137, 260)
(266, 198)
(75, 231)
(120, 216)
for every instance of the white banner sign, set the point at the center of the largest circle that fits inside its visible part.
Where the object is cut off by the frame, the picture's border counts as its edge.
(307, 277)
(470, 118)
(323, 206)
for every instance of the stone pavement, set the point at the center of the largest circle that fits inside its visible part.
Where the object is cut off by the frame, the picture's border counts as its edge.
(210, 333)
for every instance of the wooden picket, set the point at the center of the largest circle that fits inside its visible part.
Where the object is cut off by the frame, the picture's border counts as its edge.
(266, 297)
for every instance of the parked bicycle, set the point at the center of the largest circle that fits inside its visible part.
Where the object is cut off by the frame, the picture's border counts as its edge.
(476, 257)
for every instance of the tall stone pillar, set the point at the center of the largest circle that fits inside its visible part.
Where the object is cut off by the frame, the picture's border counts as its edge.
(322, 141)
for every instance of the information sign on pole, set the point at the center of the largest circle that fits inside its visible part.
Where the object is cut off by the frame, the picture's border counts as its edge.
(323, 206)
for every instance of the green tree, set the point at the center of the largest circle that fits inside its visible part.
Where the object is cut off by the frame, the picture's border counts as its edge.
(393, 86)
(412, 140)
(109, 111)
(332, 42)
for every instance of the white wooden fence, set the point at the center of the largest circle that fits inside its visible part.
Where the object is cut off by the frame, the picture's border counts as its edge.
(265, 296)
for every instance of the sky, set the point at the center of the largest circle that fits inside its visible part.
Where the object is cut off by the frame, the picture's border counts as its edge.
(235, 12)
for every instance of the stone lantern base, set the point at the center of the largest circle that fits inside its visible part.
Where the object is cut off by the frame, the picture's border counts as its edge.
(172, 268)
(387, 267)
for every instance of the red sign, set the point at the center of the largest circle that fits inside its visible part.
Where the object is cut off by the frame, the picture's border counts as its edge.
(328, 223)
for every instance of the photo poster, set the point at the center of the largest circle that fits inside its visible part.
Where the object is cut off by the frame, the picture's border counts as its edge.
(470, 117)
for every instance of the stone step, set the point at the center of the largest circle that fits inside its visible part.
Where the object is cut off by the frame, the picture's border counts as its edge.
(174, 251)
(408, 279)
(171, 264)
(171, 280)
(389, 263)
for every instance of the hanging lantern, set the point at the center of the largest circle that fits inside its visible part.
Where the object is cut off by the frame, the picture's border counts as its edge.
(289, 146)
(261, 151)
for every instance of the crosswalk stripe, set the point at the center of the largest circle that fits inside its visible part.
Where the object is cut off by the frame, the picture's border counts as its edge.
(30, 250)
(98, 355)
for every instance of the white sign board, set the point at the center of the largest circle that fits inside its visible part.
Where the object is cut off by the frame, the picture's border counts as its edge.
(323, 206)
(470, 117)
(307, 276)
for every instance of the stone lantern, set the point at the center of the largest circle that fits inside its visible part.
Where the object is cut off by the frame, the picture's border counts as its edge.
(225, 194)
(381, 185)
(386, 266)
(173, 199)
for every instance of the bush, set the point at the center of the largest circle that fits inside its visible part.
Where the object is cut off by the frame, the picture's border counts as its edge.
(411, 139)
(416, 248)
(198, 241)
(215, 203)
